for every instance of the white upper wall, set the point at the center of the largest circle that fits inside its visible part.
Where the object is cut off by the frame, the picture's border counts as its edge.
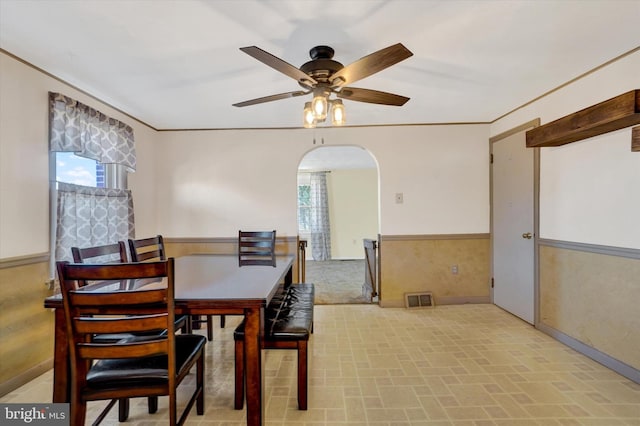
(589, 190)
(24, 159)
(215, 182)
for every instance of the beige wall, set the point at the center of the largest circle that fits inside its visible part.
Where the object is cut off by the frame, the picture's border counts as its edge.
(593, 298)
(416, 263)
(353, 211)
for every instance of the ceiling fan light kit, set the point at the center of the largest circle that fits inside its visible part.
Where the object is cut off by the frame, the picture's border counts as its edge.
(313, 116)
(323, 76)
(320, 104)
(337, 113)
(309, 119)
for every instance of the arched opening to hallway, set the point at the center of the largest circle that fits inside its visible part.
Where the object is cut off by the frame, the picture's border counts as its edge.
(337, 209)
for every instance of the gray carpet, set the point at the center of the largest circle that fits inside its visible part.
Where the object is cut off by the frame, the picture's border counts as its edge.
(336, 281)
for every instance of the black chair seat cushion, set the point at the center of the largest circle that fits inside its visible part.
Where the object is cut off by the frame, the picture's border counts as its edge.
(137, 372)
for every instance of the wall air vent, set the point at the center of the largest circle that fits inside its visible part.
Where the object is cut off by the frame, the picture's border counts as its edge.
(419, 300)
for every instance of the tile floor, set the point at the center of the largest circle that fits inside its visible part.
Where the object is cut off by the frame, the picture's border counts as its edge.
(471, 365)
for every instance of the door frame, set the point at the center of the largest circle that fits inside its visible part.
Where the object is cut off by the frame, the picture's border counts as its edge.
(536, 213)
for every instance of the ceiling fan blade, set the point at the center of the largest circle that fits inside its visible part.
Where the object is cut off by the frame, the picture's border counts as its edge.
(371, 96)
(271, 98)
(370, 64)
(279, 65)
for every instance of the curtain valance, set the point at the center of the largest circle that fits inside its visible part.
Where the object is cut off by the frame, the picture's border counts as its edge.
(75, 127)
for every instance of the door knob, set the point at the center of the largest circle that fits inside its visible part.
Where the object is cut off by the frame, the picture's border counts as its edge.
(527, 235)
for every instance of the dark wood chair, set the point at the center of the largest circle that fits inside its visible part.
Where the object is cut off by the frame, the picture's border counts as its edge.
(150, 249)
(101, 254)
(144, 366)
(147, 249)
(109, 253)
(257, 248)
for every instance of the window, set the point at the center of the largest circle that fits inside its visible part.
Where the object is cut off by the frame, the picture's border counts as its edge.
(68, 168)
(71, 168)
(304, 208)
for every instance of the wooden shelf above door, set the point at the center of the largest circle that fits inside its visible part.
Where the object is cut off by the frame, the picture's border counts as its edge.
(613, 114)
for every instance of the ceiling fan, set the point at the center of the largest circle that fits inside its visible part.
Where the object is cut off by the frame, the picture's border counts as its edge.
(324, 76)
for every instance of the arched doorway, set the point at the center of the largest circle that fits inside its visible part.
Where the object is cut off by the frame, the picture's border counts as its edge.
(346, 177)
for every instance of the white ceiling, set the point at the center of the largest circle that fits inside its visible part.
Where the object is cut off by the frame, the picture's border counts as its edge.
(176, 64)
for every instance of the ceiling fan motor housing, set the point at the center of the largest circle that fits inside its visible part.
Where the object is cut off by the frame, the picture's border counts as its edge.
(321, 66)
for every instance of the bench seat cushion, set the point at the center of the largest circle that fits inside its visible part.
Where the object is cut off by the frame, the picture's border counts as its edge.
(289, 316)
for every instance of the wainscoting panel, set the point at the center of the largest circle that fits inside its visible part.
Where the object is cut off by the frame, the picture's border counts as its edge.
(454, 268)
(592, 298)
(26, 327)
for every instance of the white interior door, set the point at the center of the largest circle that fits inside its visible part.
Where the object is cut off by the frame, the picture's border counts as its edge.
(513, 226)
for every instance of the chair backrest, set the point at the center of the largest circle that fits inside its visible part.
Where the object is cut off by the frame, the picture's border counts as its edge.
(257, 248)
(109, 311)
(101, 254)
(147, 249)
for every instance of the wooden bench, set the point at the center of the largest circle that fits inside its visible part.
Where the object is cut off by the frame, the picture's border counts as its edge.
(288, 325)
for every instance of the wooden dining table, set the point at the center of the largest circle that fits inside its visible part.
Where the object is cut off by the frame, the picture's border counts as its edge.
(205, 284)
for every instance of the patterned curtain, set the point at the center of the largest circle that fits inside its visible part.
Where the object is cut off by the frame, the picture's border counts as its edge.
(75, 127)
(89, 216)
(319, 220)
